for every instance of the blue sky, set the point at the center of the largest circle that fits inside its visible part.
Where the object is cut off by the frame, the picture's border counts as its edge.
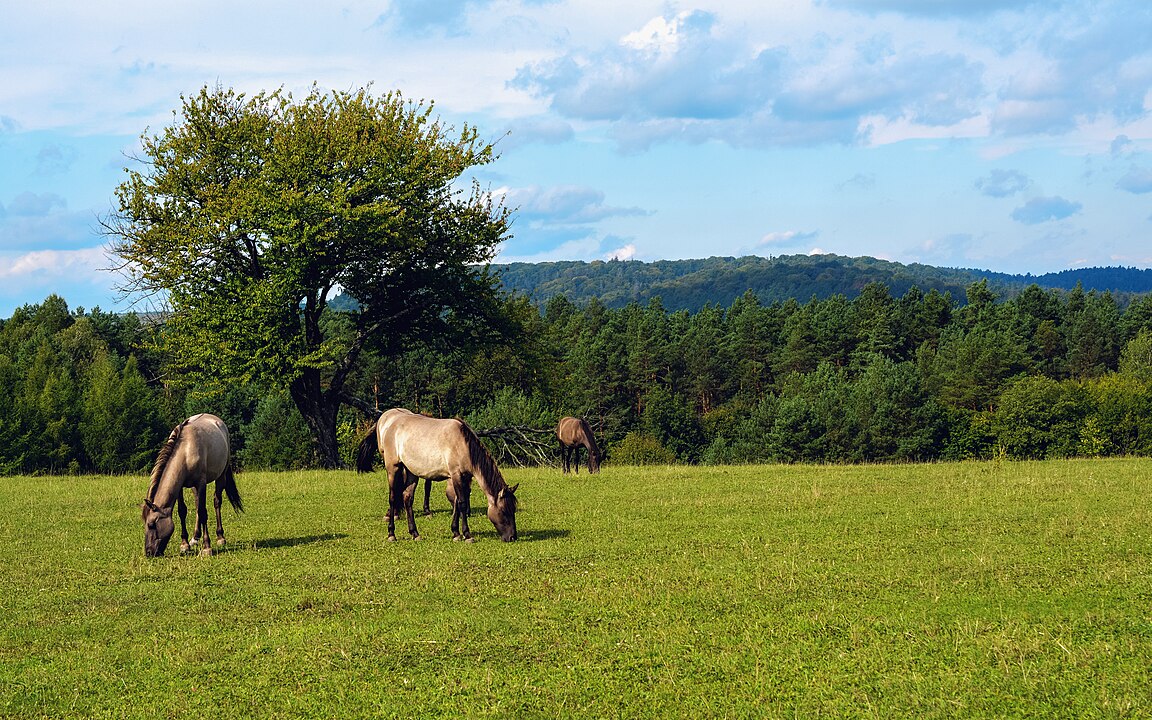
(1011, 135)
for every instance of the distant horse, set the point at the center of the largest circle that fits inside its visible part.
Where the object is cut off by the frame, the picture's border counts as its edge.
(414, 446)
(195, 455)
(574, 434)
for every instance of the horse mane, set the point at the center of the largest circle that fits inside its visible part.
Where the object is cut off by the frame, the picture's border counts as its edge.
(162, 459)
(482, 460)
(591, 436)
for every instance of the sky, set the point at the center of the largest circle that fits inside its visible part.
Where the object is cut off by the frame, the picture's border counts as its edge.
(1008, 135)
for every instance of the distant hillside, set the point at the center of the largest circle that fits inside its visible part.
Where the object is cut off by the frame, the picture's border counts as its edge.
(690, 284)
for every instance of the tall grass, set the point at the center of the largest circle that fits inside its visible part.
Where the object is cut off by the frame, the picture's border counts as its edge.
(951, 590)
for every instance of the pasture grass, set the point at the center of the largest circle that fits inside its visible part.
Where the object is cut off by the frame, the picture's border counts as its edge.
(995, 589)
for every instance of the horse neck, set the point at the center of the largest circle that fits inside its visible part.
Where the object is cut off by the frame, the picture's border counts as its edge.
(589, 439)
(484, 469)
(167, 480)
(491, 482)
(171, 483)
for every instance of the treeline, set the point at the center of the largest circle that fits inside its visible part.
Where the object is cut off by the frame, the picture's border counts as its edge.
(82, 392)
(873, 379)
(879, 377)
(692, 284)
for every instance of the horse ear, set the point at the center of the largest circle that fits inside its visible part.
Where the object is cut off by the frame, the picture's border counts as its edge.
(514, 488)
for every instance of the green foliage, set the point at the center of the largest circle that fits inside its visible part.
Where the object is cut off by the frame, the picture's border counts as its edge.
(1039, 418)
(669, 419)
(276, 438)
(249, 212)
(639, 449)
(522, 415)
(68, 401)
(510, 406)
(872, 379)
(121, 421)
(1136, 358)
(693, 284)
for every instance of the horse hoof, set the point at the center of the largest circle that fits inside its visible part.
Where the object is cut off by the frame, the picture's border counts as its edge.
(219, 542)
(469, 540)
(415, 537)
(184, 548)
(456, 538)
(206, 551)
(391, 538)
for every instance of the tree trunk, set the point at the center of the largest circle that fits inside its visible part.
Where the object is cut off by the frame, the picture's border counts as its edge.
(319, 410)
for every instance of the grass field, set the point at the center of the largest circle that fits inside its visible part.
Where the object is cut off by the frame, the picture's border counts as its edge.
(950, 590)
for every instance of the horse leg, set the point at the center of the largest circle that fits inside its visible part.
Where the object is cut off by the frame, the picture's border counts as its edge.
(427, 495)
(576, 464)
(450, 493)
(463, 507)
(410, 492)
(202, 519)
(182, 509)
(410, 483)
(219, 520)
(563, 457)
(396, 477)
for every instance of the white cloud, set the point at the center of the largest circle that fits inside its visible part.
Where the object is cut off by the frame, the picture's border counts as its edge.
(1001, 183)
(786, 237)
(563, 205)
(72, 264)
(1043, 209)
(626, 252)
(1137, 180)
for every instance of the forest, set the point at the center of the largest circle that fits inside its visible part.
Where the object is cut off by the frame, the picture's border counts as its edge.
(921, 376)
(692, 284)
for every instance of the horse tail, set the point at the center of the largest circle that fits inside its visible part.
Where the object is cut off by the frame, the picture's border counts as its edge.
(228, 482)
(366, 452)
(162, 459)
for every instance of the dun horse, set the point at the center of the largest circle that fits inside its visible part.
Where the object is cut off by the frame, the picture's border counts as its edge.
(414, 446)
(195, 455)
(574, 434)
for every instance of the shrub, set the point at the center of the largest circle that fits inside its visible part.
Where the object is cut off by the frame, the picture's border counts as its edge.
(640, 449)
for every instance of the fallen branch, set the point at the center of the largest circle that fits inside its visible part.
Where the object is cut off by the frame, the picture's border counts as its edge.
(521, 445)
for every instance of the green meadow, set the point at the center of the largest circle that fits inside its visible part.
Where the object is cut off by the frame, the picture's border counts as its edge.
(995, 589)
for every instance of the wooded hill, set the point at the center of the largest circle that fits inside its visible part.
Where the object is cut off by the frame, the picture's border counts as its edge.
(692, 284)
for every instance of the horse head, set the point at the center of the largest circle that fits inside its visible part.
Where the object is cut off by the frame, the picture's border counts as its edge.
(503, 513)
(158, 528)
(594, 459)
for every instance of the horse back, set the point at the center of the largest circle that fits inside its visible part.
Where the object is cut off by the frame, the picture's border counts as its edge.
(573, 431)
(428, 447)
(203, 451)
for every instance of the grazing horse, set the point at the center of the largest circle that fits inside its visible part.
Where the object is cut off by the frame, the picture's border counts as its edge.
(574, 434)
(195, 455)
(415, 446)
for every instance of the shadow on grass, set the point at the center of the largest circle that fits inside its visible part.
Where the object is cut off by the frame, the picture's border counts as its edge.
(489, 535)
(296, 542)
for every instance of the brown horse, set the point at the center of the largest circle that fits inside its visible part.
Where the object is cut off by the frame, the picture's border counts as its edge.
(195, 455)
(414, 446)
(574, 434)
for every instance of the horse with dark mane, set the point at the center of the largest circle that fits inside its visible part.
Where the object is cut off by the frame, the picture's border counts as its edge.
(574, 434)
(195, 455)
(415, 446)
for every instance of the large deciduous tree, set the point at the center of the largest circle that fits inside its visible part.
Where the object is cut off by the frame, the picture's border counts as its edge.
(249, 213)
